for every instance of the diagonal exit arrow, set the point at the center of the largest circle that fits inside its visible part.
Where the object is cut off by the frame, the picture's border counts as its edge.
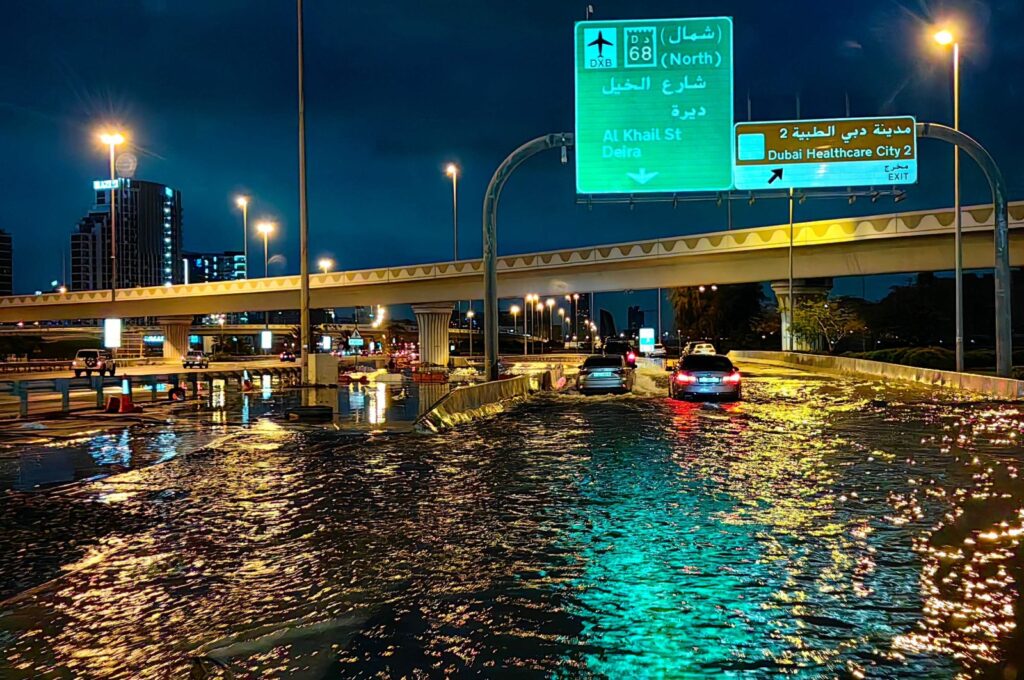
(642, 177)
(776, 174)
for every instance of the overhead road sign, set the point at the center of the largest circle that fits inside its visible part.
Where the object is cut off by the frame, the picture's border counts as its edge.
(654, 105)
(844, 152)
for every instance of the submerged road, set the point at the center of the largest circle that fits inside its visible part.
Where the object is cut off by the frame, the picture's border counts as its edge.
(824, 527)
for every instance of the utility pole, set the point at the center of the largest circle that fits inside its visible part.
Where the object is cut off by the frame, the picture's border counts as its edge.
(303, 216)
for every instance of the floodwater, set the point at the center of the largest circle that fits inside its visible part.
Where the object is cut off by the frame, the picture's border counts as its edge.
(36, 455)
(824, 527)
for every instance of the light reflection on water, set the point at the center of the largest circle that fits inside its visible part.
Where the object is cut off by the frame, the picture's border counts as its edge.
(224, 408)
(811, 530)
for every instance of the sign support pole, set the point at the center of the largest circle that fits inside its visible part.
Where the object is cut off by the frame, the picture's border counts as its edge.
(490, 237)
(1001, 229)
(790, 297)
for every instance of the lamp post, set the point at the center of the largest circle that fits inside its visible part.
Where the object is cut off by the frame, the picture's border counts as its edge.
(528, 314)
(539, 321)
(266, 229)
(575, 314)
(325, 264)
(550, 302)
(112, 140)
(452, 171)
(469, 322)
(243, 203)
(561, 324)
(945, 37)
(515, 323)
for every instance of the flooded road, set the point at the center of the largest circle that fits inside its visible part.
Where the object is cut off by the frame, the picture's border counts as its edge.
(824, 527)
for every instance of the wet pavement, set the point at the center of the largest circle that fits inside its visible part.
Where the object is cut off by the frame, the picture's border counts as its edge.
(824, 527)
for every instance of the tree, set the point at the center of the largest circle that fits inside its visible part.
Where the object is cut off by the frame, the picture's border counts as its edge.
(831, 319)
(717, 312)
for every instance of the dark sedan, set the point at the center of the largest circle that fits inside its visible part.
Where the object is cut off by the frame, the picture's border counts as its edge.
(705, 376)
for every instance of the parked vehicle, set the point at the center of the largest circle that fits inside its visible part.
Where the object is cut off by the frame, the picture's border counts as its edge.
(195, 358)
(609, 373)
(88, 361)
(707, 376)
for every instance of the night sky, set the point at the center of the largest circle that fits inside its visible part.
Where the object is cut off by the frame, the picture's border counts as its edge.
(397, 89)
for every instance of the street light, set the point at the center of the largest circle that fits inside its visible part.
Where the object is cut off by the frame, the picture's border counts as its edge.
(515, 312)
(265, 228)
(112, 140)
(550, 302)
(452, 171)
(946, 37)
(325, 264)
(528, 314)
(243, 203)
(469, 322)
(561, 323)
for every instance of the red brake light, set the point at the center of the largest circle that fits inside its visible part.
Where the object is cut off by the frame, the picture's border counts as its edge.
(631, 356)
(733, 378)
(685, 378)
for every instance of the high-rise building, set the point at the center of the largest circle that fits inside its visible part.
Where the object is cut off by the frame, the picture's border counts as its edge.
(223, 266)
(6, 264)
(148, 235)
(634, 319)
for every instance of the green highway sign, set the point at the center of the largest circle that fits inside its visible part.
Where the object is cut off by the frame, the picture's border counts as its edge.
(654, 105)
(839, 152)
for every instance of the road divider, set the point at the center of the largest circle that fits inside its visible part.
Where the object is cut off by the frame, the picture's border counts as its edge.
(987, 385)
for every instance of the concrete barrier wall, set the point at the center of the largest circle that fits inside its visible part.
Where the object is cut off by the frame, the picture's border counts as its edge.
(1003, 388)
(473, 401)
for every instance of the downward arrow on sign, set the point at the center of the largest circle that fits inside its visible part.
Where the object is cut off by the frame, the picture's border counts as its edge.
(642, 177)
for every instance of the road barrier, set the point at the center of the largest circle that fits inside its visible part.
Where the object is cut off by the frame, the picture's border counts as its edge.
(988, 385)
(463, 404)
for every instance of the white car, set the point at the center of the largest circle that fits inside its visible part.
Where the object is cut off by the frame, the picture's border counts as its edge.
(699, 348)
(658, 351)
(195, 359)
(87, 361)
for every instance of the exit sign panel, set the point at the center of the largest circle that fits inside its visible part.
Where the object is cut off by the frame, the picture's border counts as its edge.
(841, 152)
(654, 105)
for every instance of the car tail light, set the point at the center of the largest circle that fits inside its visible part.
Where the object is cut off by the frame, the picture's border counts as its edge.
(685, 378)
(733, 378)
(631, 356)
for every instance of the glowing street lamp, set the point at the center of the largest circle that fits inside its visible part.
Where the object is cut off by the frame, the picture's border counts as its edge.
(112, 140)
(243, 203)
(469, 322)
(515, 322)
(266, 229)
(945, 37)
(325, 264)
(550, 302)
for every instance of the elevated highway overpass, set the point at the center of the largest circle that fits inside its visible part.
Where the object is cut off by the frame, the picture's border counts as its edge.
(879, 244)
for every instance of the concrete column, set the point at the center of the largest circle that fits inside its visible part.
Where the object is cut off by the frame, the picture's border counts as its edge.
(432, 320)
(175, 330)
(802, 289)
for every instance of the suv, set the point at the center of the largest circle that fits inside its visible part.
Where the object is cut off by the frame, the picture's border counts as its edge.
(88, 360)
(195, 358)
(622, 348)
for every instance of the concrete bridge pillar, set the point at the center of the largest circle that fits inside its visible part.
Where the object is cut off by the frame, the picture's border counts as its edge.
(802, 289)
(432, 320)
(176, 330)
